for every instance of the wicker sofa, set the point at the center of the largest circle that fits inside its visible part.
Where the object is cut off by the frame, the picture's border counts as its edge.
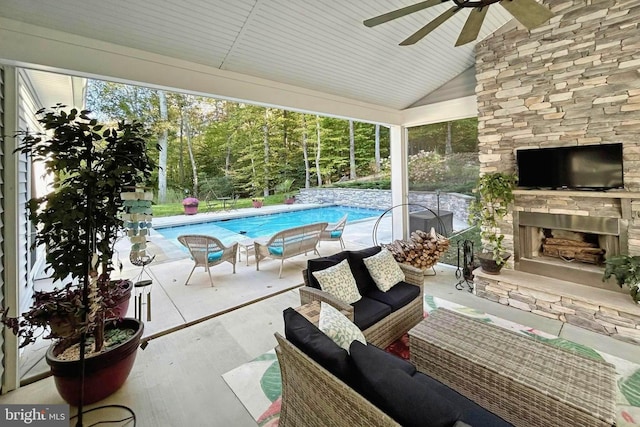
(289, 243)
(323, 385)
(382, 317)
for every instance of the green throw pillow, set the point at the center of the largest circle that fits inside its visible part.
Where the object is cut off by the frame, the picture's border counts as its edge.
(339, 282)
(338, 327)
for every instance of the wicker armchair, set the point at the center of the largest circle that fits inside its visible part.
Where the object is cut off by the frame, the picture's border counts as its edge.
(335, 231)
(207, 251)
(389, 328)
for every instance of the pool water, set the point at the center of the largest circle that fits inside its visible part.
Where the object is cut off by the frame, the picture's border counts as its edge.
(265, 225)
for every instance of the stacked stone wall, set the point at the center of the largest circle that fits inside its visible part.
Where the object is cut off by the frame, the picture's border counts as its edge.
(381, 199)
(570, 205)
(621, 324)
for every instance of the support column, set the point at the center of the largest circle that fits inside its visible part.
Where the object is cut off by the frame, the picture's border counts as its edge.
(11, 276)
(399, 182)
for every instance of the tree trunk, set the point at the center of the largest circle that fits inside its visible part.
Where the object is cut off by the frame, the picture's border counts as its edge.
(181, 158)
(377, 148)
(227, 160)
(352, 151)
(265, 129)
(305, 153)
(194, 167)
(448, 149)
(318, 172)
(163, 139)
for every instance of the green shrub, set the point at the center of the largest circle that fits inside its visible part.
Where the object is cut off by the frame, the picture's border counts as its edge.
(456, 173)
(383, 184)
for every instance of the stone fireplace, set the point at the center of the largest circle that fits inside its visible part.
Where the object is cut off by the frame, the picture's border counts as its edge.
(574, 81)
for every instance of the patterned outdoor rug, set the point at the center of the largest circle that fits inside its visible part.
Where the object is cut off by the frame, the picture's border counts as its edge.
(257, 383)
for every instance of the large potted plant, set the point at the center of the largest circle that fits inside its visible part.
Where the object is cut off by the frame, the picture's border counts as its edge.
(626, 270)
(78, 223)
(494, 193)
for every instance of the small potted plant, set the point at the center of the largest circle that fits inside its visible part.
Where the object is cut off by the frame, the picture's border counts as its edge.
(257, 203)
(78, 223)
(285, 187)
(190, 205)
(494, 193)
(626, 270)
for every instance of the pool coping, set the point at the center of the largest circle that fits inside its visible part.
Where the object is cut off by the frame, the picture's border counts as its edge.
(200, 218)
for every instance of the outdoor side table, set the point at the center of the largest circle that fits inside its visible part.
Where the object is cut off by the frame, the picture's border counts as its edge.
(246, 246)
(224, 202)
(525, 381)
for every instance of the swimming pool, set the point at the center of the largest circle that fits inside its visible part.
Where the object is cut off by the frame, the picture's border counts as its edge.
(265, 225)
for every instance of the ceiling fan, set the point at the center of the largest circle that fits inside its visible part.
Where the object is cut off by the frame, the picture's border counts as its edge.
(529, 13)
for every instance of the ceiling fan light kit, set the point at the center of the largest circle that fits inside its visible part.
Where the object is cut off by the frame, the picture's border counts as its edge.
(529, 13)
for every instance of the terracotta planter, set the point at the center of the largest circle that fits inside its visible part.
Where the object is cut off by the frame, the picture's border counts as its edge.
(489, 265)
(190, 209)
(104, 373)
(257, 204)
(289, 201)
(122, 305)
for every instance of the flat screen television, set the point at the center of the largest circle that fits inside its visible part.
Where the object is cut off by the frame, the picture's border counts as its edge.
(584, 167)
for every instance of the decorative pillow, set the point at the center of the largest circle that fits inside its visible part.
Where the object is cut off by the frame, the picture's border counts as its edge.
(336, 233)
(339, 282)
(384, 270)
(338, 327)
(318, 264)
(359, 270)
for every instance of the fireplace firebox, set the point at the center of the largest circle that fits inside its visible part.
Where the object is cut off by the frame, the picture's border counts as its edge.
(567, 247)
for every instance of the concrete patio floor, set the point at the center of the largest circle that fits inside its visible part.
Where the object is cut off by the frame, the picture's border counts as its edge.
(199, 332)
(177, 379)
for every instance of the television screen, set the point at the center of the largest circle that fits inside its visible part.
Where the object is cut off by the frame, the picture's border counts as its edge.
(593, 167)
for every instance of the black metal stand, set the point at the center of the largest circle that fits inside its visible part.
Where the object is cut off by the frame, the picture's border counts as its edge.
(465, 272)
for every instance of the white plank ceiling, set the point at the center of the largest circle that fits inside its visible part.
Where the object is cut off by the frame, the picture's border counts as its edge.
(320, 45)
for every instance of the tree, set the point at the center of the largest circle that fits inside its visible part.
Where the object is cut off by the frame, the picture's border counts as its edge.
(265, 188)
(163, 138)
(352, 152)
(318, 151)
(305, 153)
(448, 149)
(377, 149)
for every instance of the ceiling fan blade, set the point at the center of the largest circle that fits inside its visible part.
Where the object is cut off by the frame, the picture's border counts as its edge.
(529, 13)
(472, 27)
(372, 22)
(422, 32)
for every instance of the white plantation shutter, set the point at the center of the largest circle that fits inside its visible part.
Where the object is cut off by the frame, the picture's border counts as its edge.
(2, 108)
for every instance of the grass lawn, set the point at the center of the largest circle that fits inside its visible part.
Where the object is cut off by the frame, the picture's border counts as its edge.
(171, 209)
